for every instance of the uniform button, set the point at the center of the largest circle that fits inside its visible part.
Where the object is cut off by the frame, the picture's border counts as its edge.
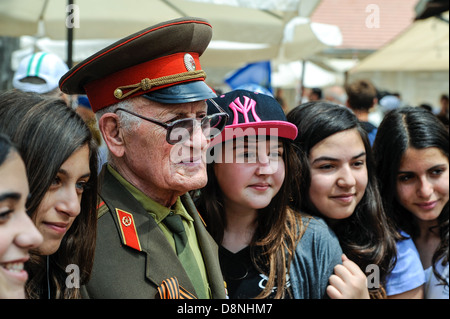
(171, 213)
(118, 94)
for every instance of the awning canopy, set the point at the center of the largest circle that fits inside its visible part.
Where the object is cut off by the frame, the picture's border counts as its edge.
(424, 46)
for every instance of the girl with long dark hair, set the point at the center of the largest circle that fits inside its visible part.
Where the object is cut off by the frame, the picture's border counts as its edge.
(61, 163)
(339, 184)
(411, 152)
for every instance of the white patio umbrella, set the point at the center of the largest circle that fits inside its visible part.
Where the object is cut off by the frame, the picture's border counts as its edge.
(114, 19)
(240, 33)
(303, 38)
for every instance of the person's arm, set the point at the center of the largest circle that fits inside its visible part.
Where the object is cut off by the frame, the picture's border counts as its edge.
(348, 281)
(407, 278)
(416, 293)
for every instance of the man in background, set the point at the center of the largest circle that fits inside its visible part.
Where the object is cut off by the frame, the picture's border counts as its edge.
(361, 97)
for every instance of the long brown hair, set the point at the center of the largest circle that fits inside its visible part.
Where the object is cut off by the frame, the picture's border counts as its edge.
(366, 236)
(47, 134)
(410, 127)
(279, 228)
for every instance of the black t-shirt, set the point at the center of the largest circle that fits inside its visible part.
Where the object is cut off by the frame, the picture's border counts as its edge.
(243, 280)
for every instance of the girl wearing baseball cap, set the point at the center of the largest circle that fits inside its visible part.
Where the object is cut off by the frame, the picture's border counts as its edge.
(265, 246)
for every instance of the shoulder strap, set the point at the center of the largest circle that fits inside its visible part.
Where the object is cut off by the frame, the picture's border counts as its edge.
(102, 208)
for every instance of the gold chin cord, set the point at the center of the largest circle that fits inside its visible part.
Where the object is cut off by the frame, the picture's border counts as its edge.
(146, 84)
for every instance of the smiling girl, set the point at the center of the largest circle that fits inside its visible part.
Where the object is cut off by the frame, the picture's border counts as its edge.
(340, 185)
(61, 164)
(17, 232)
(266, 248)
(411, 151)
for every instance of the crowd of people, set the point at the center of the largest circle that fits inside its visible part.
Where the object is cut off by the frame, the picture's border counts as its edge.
(160, 189)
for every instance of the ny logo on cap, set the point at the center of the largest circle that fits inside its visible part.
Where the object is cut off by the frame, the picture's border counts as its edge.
(249, 104)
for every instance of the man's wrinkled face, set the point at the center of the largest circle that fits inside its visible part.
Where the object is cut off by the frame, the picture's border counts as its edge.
(157, 164)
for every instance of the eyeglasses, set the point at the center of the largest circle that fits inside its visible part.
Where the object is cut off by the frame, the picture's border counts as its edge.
(182, 130)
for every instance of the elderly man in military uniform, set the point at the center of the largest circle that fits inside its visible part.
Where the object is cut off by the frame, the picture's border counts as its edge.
(148, 91)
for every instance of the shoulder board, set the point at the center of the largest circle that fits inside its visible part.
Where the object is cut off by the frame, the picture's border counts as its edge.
(201, 218)
(102, 209)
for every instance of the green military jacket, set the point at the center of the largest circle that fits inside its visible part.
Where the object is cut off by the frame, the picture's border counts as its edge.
(132, 261)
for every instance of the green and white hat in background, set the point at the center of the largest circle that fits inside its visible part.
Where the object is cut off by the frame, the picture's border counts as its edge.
(39, 72)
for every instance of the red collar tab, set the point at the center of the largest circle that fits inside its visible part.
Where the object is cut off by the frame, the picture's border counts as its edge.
(128, 229)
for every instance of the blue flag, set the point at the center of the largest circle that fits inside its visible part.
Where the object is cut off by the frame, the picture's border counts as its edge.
(258, 73)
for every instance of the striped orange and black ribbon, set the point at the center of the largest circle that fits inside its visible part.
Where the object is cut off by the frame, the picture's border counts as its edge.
(170, 289)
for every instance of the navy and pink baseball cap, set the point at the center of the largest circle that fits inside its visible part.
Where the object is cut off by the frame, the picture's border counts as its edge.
(251, 113)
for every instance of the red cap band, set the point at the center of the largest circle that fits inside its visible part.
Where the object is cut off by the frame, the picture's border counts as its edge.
(101, 92)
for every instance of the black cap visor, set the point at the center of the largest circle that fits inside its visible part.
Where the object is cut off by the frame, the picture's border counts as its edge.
(182, 93)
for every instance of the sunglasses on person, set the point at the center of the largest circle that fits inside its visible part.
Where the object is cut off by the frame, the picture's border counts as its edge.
(181, 130)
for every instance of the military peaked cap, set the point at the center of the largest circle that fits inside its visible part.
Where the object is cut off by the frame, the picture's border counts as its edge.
(160, 63)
